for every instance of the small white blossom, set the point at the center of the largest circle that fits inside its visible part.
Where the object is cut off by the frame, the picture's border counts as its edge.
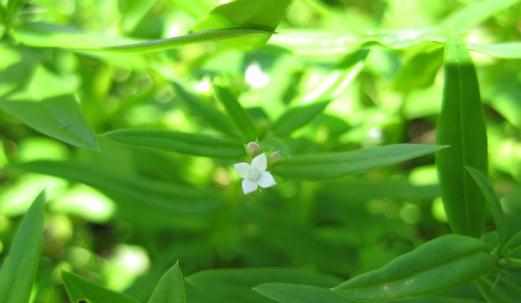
(255, 174)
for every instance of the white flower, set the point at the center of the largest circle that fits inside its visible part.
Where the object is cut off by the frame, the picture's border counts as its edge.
(255, 174)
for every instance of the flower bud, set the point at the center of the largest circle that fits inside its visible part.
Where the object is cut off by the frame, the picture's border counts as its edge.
(253, 149)
(275, 157)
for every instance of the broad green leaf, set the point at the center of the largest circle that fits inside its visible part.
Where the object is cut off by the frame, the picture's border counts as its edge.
(294, 293)
(138, 200)
(171, 288)
(54, 36)
(236, 285)
(297, 117)
(237, 113)
(81, 290)
(493, 204)
(263, 14)
(506, 50)
(58, 117)
(185, 143)
(132, 12)
(206, 113)
(473, 14)
(339, 164)
(434, 266)
(18, 271)
(461, 126)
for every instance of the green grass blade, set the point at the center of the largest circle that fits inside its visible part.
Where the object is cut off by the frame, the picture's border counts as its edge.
(432, 267)
(237, 113)
(171, 288)
(58, 117)
(473, 14)
(340, 164)
(462, 127)
(18, 270)
(185, 143)
(81, 290)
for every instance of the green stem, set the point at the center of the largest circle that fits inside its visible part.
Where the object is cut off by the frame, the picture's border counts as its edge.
(511, 263)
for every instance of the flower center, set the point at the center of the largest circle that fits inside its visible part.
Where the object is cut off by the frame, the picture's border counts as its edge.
(253, 174)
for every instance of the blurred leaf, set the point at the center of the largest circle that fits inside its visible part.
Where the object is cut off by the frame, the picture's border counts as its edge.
(506, 50)
(185, 143)
(502, 289)
(291, 293)
(138, 200)
(170, 288)
(493, 204)
(473, 14)
(206, 113)
(339, 164)
(19, 269)
(237, 113)
(461, 125)
(81, 290)
(55, 36)
(132, 12)
(436, 265)
(419, 69)
(297, 117)
(59, 117)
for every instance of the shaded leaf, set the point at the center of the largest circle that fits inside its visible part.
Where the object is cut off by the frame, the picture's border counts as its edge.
(237, 113)
(81, 290)
(294, 293)
(18, 271)
(170, 288)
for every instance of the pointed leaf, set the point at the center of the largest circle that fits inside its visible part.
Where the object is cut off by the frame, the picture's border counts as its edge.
(297, 117)
(434, 266)
(170, 288)
(18, 271)
(462, 127)
(339, 164)
(81, 290)
(58, 117)
(237, 113)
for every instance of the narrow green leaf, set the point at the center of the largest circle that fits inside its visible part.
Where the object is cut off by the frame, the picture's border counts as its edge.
(48, 35)
(434, 266)
(461, 125)
(13, 6)
(297, 117)
(185, 143)
(294, 293)
(171, 288)
(132, 12)
(506, 50)
(58, 117)
(493, 204)
(81, 290)
(473, 14)
(18, 271)
(206, 113)
(237, 113)
(265, 14)
(339, 164)
(500, 289)
(138, 200)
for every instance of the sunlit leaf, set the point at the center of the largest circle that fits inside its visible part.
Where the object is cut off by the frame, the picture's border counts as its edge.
(506, 50)
(297, 117)
(170, 288)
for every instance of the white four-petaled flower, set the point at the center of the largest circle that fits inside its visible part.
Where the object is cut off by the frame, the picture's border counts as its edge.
(255, 174)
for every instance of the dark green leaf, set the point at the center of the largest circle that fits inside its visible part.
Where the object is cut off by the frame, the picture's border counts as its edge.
(294, 293)
(462, 127)
(81, 290)
(170, 288)
(59, 117)
(185, 143)
(339, 164)
(436, 265)
(503, 288)
(297, 117)
(18, 271)
(238, 114)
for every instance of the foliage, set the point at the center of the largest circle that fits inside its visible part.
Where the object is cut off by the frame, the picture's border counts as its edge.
(390, 127)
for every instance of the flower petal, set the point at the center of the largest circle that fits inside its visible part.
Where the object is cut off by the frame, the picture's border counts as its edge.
(242, 169)
(260, 162)
(248, 186)
(266, 180)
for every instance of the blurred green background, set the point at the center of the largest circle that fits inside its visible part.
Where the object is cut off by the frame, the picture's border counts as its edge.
(125, 241)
